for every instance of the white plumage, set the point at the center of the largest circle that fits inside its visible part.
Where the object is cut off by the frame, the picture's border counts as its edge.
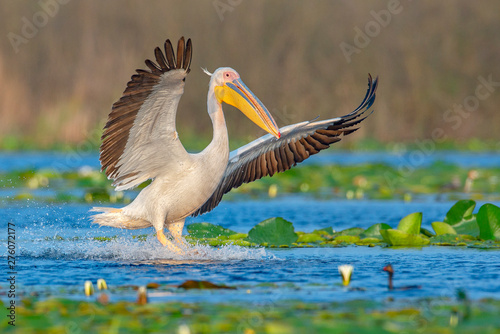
(140, 142)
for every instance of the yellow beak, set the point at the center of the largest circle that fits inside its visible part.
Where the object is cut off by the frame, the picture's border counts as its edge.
(238, 95)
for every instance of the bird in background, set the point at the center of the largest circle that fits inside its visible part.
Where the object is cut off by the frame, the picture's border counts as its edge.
(140, 143)
(390, 271)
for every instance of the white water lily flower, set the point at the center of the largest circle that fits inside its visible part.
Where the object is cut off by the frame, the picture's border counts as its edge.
(89, 288)
(345, 271)
(142, 295)
(183, 329)
(101, 284)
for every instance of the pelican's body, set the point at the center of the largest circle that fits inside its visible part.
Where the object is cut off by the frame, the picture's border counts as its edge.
(140, 142)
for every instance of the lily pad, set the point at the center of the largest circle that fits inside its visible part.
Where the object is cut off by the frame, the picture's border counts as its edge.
(400, 238)
(323, 231)
(203, 285)
(459, 211)
(488, 220)
(426, 232)
(238, 236)
(468, 225)
(346, 239)
(310, 237)
(353, 231)
(207, 230)
(273, 231)
(411, 223)
(446, 238)
(369, 241)
(374, 231)
(443, 228)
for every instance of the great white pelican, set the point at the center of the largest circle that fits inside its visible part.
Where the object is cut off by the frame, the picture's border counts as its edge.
(140, 142)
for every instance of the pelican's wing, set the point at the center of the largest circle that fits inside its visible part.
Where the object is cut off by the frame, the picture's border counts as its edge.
(268, 155)
(139, 139)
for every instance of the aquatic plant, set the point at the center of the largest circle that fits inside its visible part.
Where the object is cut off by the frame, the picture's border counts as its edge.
(364, 181)
(273, 231)
(142, 295)
(359, 316)
(101, 284)
(277, 232)
(488, 220)
(460, 220)
(88, 288)
(345, 271)
(407, 233)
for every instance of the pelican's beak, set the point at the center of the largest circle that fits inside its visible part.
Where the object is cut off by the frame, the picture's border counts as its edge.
(238, 95)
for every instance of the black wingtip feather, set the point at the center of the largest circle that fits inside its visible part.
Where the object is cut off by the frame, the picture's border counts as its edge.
(160, 59)
(188, 56)
(169, 52)
(180, 52)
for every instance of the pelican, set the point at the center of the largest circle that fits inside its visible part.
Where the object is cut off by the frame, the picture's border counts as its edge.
(140, 142)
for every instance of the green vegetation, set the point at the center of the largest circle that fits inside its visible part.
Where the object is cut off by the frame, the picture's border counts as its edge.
(367, 181)
(426, 315)
(273, 231)
(407, 233)
(194, 143)
(277, 232)
(423, 83)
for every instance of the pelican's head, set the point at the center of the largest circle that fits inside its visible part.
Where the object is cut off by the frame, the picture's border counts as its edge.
(229, 88)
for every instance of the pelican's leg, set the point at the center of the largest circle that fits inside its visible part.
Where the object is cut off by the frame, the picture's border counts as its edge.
(165, 242)
(176, 231)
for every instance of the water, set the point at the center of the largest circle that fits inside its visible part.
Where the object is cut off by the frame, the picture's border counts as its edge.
(59, 267)
(54, 267)
(64, 161)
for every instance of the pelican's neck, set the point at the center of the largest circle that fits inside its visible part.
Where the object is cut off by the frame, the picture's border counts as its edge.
(219, 145)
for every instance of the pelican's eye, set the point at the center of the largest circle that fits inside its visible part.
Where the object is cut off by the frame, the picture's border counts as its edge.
(227, 74)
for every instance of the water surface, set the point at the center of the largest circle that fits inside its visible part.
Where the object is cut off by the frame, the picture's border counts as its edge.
(56, 267)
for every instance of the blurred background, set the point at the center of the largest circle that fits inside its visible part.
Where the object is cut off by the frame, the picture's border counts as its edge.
(64, 63)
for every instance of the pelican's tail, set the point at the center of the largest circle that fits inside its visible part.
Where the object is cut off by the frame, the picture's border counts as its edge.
(116, 218)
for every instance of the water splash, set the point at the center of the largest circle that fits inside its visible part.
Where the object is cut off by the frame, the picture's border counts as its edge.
(125, 249)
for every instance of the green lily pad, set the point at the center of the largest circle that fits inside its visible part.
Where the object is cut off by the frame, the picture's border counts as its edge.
(273, 231)
(443, 228)
(411, 223)
(400, 238)
(203, 285)
(346, 239)
(488, 220)
(353, 231)
(374, 231)
(323, 231)
(370, 240)
(207, 230)
(468, 225)
(310, 237)
(426, 232)
(459, 211)
(446, 238)
(238, 236)
(241, 243)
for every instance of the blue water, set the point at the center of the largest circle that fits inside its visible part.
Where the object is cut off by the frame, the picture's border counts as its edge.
(64, 161)
(60, 267)
(53, 267)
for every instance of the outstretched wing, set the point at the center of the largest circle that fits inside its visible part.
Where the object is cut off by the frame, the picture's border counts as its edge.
(268, 155)
(139, 139)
